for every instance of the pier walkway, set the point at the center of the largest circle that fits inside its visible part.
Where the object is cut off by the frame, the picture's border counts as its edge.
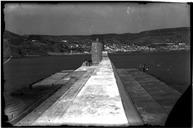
(96, 102)
(104, 96)
(153, 98)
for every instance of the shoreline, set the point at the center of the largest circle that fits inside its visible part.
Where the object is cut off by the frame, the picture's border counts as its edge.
(132, 52)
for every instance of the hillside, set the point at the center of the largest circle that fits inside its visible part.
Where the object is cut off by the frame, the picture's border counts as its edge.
(24, 45)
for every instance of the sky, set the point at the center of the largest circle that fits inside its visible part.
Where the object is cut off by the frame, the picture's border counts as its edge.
(94, 18)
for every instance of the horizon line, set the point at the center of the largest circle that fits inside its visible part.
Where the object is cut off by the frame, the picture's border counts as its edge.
(97, 33)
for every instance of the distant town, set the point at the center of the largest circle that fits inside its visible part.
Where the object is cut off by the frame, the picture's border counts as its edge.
(149, 41)
(111, 47)
(154, 47)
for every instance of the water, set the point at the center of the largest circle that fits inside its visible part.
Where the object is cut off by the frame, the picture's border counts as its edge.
(21, 72)
(173, 68)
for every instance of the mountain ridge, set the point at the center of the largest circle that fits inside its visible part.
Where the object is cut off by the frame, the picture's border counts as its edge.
(21, 45)
(151, 30)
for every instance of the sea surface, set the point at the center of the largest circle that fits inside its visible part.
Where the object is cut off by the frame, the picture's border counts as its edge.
(21, 72)
(171, 67)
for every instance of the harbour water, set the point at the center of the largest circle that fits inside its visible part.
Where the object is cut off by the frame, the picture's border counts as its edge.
(155, 62)
(21, 72)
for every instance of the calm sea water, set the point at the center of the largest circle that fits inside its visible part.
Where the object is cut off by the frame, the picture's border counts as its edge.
(171, 67)
(21, 72)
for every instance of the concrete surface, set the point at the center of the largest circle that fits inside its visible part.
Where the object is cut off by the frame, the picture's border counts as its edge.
(131, 112)
(70, 86)
(152, 98)
(93, 100)
(98, 103)
(101, 95)
(25, 99)
(162, 93)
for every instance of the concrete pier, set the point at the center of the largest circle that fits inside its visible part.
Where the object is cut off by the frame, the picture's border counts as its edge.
(152, 98)
(101, 95)
(97, 103)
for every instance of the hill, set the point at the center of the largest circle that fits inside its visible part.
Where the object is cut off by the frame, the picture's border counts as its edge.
(24, 45)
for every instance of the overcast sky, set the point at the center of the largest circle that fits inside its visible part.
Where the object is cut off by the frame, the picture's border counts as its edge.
(93, 18)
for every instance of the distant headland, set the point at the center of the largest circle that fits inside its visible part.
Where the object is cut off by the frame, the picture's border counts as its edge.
(168, 39)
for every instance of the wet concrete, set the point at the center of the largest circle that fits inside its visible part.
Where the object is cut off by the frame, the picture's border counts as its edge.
(152, 98)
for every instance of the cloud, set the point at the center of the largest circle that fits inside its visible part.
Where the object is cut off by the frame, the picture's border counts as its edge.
(89, 18)
(129, 10)
(21, 9)
(104, 10)
(11, 8)
(95, 9)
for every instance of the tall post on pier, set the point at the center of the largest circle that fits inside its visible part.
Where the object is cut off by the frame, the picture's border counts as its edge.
(96, 52)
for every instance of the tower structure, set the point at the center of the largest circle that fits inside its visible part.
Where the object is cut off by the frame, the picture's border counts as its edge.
(96, 51)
